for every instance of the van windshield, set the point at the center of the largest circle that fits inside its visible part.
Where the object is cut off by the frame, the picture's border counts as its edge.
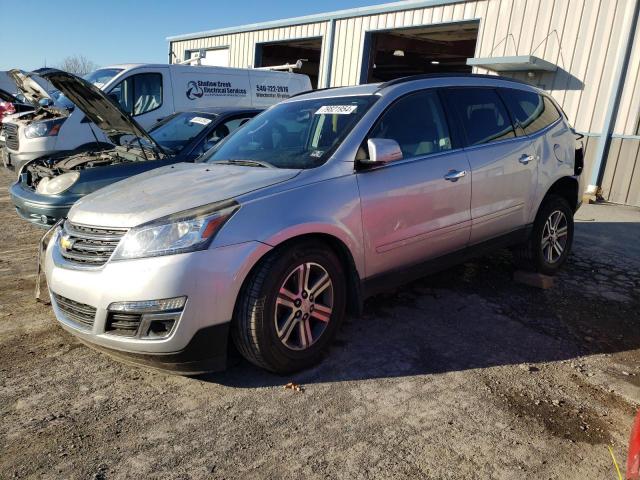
(101, 77)
(98, 78)
(295, 134)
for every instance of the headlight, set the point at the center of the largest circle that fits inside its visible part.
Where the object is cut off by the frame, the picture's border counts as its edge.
(44, 129)
(181, 232)
(55, 185)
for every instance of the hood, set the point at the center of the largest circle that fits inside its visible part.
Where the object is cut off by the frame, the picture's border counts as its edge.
(27, 85)
(7, 97)
(171, 189)
(97, 106)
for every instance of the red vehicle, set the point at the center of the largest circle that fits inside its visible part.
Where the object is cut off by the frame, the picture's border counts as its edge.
(6, 108)
(10, 104)
(633, 458)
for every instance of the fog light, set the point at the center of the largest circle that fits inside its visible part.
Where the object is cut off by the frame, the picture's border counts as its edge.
(150, 319)
(163, 305)
(156, 326)
(160, 328)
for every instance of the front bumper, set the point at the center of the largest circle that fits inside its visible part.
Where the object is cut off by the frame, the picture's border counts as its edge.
(43, 210)
(210, 279)
(30, 149)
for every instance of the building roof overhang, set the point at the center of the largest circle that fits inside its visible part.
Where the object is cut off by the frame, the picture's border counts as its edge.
(517, 63)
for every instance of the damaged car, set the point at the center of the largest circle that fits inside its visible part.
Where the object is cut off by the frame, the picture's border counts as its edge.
(52, 126)
(10, 105)
(47, 187)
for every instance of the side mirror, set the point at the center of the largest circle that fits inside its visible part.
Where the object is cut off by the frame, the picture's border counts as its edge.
(382, 151)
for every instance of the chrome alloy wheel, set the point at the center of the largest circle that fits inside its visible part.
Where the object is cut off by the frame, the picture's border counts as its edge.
(554, 236)
(304, 306)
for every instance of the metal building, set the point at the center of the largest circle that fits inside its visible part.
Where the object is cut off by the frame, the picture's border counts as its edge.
(586, 53)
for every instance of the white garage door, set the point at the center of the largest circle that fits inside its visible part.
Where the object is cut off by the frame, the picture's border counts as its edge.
(216, 58)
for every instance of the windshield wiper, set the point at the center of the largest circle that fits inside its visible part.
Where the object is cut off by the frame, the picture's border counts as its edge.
(246, 163)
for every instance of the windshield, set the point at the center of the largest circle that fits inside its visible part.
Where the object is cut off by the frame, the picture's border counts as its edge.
(99, 78)
(296, 134)
(175, 133)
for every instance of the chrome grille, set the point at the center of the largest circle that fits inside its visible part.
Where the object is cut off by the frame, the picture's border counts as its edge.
(11, 136)
(89, 245)
(79, 313)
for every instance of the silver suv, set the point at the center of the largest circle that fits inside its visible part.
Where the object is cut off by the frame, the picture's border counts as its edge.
(308, 209)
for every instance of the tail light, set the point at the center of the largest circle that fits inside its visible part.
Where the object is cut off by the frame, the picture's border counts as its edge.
(633, 458)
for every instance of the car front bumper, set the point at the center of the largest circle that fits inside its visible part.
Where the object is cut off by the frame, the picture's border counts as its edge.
(30, 149)
(210, 279)
(43, 210)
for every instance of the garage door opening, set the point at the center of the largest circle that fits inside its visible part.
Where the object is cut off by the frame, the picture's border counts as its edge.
(402, 52)
(290, 51)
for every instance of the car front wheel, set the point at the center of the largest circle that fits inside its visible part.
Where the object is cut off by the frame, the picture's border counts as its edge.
(290, 308)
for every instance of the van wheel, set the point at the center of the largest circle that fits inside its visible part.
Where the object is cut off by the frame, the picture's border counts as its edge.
(550, 241)
(290, 308)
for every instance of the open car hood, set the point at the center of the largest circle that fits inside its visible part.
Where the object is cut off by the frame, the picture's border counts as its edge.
(98, 107)
(31, 89)
(7, 97)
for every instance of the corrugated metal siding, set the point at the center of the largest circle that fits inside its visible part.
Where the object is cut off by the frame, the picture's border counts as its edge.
(583, 37)
(629, 115)
(242, 46)
(621, 183)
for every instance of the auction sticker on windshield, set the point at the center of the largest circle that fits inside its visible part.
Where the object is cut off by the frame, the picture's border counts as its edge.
(336, 109)
(200, 120)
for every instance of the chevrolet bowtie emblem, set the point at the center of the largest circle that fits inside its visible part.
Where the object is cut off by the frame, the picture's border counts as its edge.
(66, 242)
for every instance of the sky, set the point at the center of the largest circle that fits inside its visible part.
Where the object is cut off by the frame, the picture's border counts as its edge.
(120, 31)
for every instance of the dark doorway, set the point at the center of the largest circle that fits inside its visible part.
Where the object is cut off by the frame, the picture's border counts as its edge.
(417, 50)
(290, 51)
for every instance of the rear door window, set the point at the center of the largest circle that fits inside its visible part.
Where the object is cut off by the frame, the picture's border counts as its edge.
(482, 114)
(417, 123)
(529, 110)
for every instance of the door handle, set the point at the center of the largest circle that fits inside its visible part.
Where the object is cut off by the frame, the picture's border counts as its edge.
(455, 175)
(525, 159)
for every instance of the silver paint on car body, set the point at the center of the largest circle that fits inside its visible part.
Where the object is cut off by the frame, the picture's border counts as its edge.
(387, 217)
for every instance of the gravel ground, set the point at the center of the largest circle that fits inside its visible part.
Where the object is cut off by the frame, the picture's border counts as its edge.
(460, 375)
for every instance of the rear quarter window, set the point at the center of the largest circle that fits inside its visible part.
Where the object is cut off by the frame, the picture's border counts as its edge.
(531, 111)
(482, 114)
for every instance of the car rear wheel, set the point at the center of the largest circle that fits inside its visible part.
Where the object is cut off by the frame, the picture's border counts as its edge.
(551, 239)
(290, 308)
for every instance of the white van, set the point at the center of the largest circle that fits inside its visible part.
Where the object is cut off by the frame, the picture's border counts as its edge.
(147, 92)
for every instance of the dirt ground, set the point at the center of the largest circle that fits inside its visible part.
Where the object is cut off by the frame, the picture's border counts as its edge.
(461, 375)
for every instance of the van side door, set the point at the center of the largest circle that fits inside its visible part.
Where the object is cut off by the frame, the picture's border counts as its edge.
(503, 163)
(146, 94)
(416, 208)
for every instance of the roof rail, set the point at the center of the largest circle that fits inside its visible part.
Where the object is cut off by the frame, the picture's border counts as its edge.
(312, 91)
(427, 76)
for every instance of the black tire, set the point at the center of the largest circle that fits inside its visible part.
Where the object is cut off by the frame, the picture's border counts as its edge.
(254, 329)
(530, 255)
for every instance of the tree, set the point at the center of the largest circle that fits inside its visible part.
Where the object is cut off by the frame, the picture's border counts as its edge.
(77, 64)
